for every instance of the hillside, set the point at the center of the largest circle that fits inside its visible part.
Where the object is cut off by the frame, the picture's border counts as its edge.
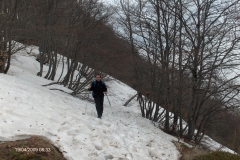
(83, 32)
(69, 123)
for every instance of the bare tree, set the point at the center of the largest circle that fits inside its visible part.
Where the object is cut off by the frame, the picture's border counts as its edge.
(75, 36)
(13, 30)
(190, 46)
(211, 42)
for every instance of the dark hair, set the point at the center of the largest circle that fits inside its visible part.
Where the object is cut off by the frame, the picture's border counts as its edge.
(98, 74)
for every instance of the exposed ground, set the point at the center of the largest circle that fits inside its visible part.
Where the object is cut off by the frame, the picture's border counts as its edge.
(189, 153)
(37, 148)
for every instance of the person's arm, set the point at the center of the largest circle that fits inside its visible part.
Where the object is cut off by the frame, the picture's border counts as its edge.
(90, 88)
(104, 89)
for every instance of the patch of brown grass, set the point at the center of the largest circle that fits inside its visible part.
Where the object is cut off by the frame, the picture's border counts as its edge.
(189, 153)
(37, 148)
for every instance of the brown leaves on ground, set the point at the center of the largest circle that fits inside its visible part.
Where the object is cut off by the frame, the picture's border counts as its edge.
(189, 153)
(37, 148)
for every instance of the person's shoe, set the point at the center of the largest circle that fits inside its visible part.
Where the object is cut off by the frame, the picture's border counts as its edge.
(99, 117)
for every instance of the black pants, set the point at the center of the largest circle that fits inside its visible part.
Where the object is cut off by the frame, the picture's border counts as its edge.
(99, 105)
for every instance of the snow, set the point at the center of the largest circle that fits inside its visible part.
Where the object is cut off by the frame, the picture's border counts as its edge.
(71, 124)
(213, 145)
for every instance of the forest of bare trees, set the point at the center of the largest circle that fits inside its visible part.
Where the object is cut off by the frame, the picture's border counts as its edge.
(68, 28)
(191, 48)
(180, 55)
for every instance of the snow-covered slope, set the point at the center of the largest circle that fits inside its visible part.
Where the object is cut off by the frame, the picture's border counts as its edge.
(27, 108)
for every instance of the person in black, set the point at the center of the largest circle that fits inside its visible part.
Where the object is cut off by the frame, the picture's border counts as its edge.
(98, 87)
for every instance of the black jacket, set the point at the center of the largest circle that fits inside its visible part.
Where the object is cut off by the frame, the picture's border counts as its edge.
(98, 88)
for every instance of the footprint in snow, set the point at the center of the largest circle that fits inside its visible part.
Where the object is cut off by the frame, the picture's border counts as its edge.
(109, 156)
(98, 147)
